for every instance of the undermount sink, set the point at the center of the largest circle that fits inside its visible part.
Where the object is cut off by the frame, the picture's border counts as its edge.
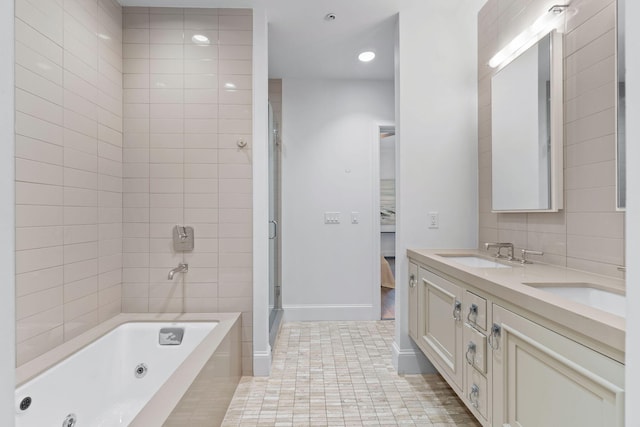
(474, 261)
(586, 294)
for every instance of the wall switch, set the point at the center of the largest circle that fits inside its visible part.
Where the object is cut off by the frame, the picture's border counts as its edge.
(434, 222)
(332, 217)
(355, 217)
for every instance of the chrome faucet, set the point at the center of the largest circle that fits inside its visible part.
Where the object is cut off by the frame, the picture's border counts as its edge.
(181, 268)
(499, 246)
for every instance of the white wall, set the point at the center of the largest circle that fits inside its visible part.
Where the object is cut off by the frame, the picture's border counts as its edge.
(632, 379)
(437, 140)
(329, 136)
(7, 254)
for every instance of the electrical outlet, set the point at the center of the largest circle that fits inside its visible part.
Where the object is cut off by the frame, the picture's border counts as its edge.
(433, 220)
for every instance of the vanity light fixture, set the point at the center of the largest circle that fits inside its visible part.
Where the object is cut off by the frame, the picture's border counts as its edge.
(200, 39)
(366, 56)
(523, 41)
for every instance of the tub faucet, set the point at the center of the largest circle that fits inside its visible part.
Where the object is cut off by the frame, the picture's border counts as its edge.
(181, 268)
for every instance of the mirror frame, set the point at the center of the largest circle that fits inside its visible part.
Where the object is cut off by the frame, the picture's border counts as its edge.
(556, 127)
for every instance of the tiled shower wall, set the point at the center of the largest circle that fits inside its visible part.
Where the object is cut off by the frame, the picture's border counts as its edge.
(588, 234)
(68, 169)
(187, 104)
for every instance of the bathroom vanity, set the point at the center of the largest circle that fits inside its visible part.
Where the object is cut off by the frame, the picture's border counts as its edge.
(522, 345)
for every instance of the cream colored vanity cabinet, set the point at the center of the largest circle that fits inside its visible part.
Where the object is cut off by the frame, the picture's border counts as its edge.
(413, 300)
(542, 378)
(440, 325)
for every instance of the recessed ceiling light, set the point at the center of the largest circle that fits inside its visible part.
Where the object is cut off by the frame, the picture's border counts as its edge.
(104, 36)
(229, 86)
(330, 16)
(366, 56)
(200, 39)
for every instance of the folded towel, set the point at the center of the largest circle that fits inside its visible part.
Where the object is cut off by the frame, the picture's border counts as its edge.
(386, 275)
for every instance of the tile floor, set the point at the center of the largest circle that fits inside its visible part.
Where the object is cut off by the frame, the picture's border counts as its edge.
(340, 374)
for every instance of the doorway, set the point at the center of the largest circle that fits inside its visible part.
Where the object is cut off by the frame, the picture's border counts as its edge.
(387, 181)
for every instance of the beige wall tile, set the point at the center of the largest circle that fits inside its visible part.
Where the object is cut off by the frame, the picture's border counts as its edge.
(588, 233)
(172, 157)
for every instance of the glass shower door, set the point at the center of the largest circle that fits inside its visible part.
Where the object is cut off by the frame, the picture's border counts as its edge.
(275, 300)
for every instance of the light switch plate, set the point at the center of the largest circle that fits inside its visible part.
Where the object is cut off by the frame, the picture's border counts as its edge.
(355, 217)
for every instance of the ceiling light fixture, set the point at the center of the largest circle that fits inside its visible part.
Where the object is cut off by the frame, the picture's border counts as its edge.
(523, 41)
(200, 39)
(366, 56)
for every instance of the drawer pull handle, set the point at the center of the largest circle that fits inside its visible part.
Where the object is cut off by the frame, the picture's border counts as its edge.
(473, 312)
(494, 337)
(470, 355)
(474, 396)
(457, 310)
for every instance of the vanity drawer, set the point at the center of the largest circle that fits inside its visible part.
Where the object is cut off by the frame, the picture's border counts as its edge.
(475, 311)
(475, 349)
(477, 393)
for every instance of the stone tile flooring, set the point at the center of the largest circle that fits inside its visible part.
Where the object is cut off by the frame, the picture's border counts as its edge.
(340, 374)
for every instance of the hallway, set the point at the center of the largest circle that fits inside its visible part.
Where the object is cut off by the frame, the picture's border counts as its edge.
(340, 374)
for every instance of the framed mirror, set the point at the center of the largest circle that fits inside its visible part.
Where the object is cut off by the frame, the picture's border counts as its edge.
(527, 135)
(621, 175)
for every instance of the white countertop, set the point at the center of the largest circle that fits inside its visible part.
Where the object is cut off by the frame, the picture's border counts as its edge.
(508, 284)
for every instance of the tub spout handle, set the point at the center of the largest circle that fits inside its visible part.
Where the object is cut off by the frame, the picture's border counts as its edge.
(181, 268)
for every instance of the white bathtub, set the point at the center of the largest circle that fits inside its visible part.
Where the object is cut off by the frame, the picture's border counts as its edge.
(100, 383)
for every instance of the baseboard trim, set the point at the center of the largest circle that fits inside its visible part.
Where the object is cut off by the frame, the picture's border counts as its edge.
(262, 363)
(309, 313)
(410, 361)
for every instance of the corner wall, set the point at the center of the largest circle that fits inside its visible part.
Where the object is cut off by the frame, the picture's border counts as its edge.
(7, 216)
(437, 141)
(632, 377)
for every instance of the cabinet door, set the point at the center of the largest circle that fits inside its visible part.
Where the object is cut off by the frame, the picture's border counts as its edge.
(441, 325)
(542, 378)
(413, 301)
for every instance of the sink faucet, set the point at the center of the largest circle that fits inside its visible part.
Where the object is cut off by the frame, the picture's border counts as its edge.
(181, 268)
(499, 246)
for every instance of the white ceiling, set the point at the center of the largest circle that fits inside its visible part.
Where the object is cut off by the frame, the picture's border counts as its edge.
(303, 44)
